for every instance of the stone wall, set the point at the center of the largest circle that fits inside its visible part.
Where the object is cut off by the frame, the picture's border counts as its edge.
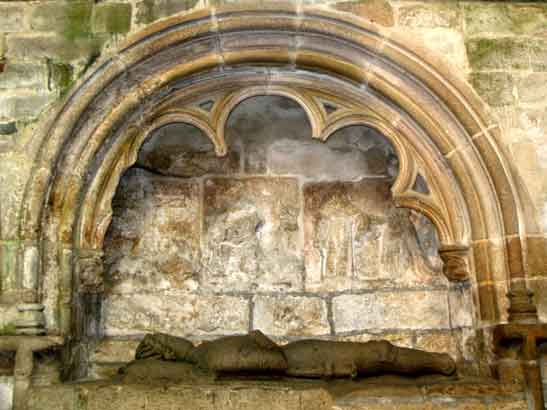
(499, 47)
(45, 46)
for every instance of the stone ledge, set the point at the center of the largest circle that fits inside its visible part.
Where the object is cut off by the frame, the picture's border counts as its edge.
(386, 392)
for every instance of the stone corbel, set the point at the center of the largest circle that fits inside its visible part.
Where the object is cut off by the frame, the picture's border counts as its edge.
(456, 262)
(90, 273)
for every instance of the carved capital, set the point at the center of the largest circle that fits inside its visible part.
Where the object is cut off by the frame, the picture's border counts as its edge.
(90, 273)
(456, 262)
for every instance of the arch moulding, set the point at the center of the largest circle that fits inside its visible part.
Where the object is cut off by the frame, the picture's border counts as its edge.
(196, 68)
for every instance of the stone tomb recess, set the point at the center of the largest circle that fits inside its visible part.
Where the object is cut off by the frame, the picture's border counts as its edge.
(292, 236)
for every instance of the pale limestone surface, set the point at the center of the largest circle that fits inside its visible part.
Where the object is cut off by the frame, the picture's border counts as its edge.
(290, 315)
(178, 314)
(389, 310)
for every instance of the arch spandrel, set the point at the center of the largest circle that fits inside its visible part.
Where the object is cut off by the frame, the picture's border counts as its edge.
(436, 117)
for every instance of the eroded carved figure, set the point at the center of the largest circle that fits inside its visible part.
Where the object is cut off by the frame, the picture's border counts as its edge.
(255, 353)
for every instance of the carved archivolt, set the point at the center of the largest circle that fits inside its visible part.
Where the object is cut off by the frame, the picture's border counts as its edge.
(341, 70)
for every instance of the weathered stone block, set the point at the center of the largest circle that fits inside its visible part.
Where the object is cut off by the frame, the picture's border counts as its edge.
(538, 54)
(12, 17)
(101, 396)
(495, 88)
(498, 53)
(114, 351)
(487, 18)
(290, 315)
(111, 18)
(252, 234)
(180, 314)
(430, 15)
(151, 10)
(378, 11)
(356, 239)
(154, 241)
(462, 308)
(389, 310)
(502, 18)
(23, 105)
(24, 75)
(72, 19)
(355, 156)
(48, 45)
(440, 342)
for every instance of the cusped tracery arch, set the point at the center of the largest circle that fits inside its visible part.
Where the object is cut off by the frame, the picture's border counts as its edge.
(343, 71)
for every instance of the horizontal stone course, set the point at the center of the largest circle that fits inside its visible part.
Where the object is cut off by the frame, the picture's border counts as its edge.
(34, 46)
(2, 49)
(507, 53)
(496, 88)
(503, 18)
(290, 315)
(111, 18)
(273, 396)
(498, 53)
(387, 310)
(24, 75)
(439, 14)
(114, 351)
(72, 19)
(177, 314)
(378, 11)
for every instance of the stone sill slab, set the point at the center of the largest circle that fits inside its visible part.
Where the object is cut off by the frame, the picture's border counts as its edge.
(378, 393)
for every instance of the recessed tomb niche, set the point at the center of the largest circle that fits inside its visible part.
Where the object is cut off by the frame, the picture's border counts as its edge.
(285, 233)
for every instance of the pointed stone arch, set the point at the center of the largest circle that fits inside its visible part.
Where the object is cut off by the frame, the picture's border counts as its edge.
(373, 76)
